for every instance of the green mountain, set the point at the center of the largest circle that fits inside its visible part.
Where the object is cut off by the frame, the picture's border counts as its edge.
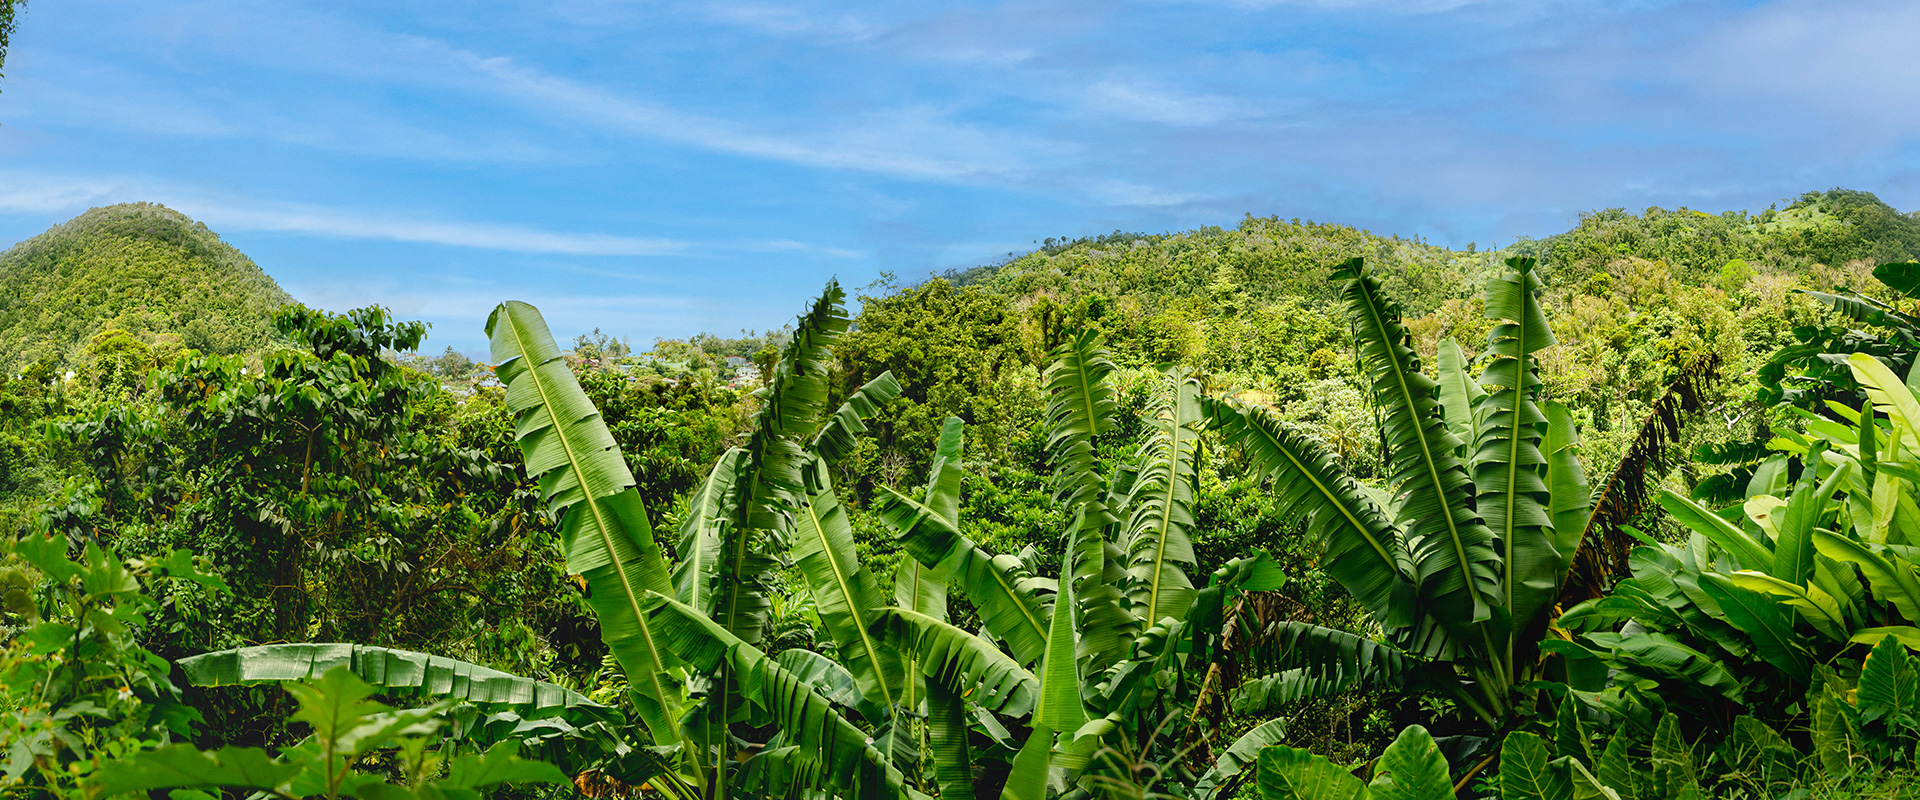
(138, 267)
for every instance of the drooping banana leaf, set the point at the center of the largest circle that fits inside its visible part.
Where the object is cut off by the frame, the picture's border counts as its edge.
(1297, 661)
(1513, 499)
(1457, 566)
(831, 680)
(1817, 607)
(1159, 533)
(395, 671)
(846, 597)
(1009, 599)
(952, 753)
(1363, 551)
(837, 754)
(603, 527)
(842, 429)
(964, 663)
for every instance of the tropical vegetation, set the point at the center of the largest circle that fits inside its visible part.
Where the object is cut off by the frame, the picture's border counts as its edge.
(1288, 511)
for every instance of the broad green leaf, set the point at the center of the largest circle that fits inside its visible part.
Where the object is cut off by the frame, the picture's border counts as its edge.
(1793, 546)
(1159, 532)
(1244, 752)
(1890, 687)
(1460, 394)
(183, 766)
(1303, 661)
(603, 528)
(1673, 767)
(1363, 550)
(1029, 776)
(966, 664)
(1905, 634)
(843, 427)
(1569, 735)
(1411, 769)
(1008, 597)
(1815, 606)
(1763, 620)
(1289, 774)
(1526, 771)
(770, 485)
(840, 754)
(1616, 768)
(1507, 461)
(952, 756)
(709, 511)
(1751, 554)
(1833, 735)
(1893, 579)
(499, 765)
(1888, 393)
(845, 595)
(1059, 706)
(1458, 567)
(1571, 498)
(1588, 787)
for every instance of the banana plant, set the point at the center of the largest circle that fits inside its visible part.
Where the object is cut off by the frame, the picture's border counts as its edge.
(684, 634)
(1485, 507)
(1095, 669)
(1792, 577)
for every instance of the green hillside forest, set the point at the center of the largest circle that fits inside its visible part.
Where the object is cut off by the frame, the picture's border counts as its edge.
(1287, 511)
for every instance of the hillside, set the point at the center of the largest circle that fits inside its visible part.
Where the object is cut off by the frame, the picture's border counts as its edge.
(140, 267)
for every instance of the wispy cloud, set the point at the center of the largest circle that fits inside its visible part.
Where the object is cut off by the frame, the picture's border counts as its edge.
(792, 22)
(54, 194)
(918, 142)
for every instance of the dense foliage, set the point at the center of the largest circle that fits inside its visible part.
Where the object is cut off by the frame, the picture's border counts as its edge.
(1624, 512)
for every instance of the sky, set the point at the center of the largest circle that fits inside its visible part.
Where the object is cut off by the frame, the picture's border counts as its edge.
(656, 169)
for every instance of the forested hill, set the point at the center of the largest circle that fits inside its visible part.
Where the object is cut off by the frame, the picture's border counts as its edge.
(138, 267)
(1267, 258)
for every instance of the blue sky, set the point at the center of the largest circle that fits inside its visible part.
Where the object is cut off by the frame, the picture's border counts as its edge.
(661, 168)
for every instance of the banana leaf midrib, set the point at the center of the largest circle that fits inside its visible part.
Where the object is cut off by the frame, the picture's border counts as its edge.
(602, 523)
(1512, 495)
(1419, 435)
(1166, 508)
(846, 591)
